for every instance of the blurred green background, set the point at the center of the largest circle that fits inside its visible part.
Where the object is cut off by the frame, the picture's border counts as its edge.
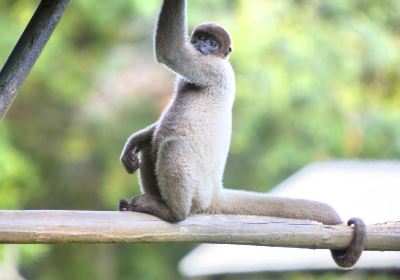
(316, 80)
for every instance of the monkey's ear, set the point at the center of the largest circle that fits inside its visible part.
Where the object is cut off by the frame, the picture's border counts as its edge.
(228, 51)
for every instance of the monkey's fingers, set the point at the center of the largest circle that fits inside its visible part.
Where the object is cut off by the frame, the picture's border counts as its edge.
(348, 258)
(135, 150)
(131, 163)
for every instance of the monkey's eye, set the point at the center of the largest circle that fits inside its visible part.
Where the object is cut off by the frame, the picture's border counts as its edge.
(212, 44)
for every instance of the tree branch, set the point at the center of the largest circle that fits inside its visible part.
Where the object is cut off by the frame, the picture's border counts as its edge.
(47, 226)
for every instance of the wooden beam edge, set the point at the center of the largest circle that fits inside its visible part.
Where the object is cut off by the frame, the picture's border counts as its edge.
(62, 226)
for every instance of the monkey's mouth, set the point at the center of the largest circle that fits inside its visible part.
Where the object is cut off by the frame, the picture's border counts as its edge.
(202, 48)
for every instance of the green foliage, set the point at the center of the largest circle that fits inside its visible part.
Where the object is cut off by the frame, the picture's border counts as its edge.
(316, 80)
(19, 178)
(323, 77)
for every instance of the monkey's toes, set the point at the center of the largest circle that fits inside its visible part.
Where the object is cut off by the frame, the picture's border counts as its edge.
(124, 205)
(135, 202)
(141, 203)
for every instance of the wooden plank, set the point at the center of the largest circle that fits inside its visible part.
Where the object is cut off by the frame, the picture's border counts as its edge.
(50, 226)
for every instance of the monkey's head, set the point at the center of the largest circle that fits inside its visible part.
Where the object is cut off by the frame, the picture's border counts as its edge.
(211, 38)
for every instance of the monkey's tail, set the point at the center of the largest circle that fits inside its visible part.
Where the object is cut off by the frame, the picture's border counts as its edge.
(348, 257)
(259, 204)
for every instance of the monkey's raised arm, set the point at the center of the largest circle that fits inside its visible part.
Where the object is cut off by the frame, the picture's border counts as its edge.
(173, 48)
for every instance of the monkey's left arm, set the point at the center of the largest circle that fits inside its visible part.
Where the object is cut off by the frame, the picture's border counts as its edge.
(173, 48)
(132, 147)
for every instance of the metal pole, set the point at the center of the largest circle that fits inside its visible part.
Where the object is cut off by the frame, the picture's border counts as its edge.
(28, 49)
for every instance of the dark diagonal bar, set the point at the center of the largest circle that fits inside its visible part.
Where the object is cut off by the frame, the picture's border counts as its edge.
(28, 49)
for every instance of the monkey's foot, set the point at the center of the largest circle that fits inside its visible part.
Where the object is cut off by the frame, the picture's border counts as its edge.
(348, 257)
(149, 204)
(141, 203)
(124, 205)
(144, 203)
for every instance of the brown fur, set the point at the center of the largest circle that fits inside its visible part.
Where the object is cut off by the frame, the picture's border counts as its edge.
(219, 33)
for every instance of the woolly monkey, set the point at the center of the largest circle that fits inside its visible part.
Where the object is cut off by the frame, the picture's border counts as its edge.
(183, 154)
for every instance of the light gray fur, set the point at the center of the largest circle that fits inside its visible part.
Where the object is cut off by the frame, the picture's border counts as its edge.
(183, 155)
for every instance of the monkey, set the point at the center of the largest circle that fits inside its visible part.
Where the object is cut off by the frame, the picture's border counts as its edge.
(181, 158)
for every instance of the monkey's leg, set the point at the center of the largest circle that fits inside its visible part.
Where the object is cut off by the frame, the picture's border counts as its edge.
(348, 258)
(177, 176)
(147, 175)
(147, 178)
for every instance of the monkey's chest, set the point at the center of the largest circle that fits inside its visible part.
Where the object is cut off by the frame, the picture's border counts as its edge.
(203, 124)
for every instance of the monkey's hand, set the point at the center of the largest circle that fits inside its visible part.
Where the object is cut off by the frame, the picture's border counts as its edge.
(136, 142)
(129, 159)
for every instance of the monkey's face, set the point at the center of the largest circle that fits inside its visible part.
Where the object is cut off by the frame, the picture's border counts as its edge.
(211, 38)
(205, 43)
